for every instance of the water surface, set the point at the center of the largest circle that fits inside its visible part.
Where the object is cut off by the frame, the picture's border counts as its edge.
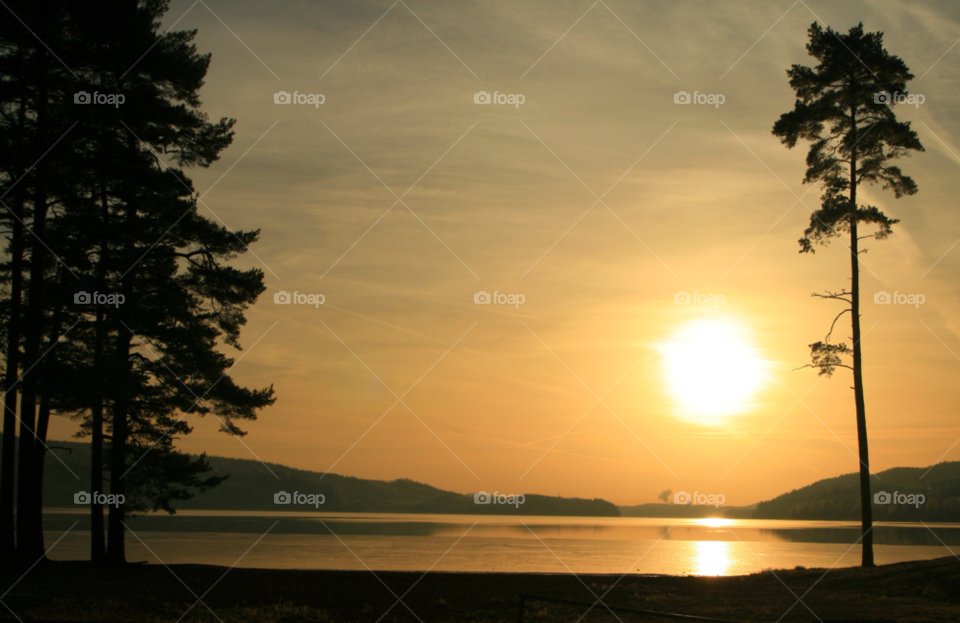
(397, 542)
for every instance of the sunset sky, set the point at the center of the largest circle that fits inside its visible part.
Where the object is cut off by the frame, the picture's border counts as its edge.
(598, 199)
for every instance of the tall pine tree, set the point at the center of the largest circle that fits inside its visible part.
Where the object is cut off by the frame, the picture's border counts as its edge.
(108, 208)
(844, 108)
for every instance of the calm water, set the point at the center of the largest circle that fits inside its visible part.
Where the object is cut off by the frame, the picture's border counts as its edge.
(485, 543)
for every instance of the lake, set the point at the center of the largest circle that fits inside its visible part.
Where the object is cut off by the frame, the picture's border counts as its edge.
(397, 542)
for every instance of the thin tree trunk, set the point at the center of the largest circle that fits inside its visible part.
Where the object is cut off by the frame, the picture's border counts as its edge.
(29, 524)
(39, 458)
(98, 545)
(44, 391)
(866, 508)
(8, 462)
(29, 530)
(116, 531)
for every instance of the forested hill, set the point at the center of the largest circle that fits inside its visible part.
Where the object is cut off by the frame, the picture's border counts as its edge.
(251, 486)
(839, 498)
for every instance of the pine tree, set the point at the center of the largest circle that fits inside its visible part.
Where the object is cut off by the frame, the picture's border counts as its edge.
(844, 108)
(110, 210)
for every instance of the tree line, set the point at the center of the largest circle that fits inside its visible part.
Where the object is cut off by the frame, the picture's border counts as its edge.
(118, 296)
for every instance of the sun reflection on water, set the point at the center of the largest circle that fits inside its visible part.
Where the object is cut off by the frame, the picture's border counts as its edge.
(712, 557)
(715, 522)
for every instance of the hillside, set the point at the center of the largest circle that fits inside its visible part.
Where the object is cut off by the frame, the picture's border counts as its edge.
(251, 487)
(839, 498)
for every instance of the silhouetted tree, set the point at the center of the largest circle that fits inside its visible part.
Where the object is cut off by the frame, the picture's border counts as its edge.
(109, 209)
(844, 109)
(158, 351)
(32, 175)
(14, 154)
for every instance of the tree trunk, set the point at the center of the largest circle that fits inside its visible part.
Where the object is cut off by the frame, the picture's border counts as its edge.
(98, 545)
(8, 462)
(29, 523)
(7, 465)
(39, 457)
(866, 508)
(43, 389)
(116, 531)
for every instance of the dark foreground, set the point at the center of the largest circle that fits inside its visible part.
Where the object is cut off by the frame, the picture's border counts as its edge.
(914, 591)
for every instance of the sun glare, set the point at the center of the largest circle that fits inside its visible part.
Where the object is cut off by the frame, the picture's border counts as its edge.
(711, 368)
(714, 522)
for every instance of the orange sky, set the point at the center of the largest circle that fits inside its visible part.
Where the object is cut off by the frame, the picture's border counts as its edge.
(498, 197)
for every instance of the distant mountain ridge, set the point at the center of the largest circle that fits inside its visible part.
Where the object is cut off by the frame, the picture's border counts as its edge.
(251, 487)
(838, 499)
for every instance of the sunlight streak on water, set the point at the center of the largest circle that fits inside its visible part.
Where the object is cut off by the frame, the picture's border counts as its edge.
(715, 522)
(712, 557)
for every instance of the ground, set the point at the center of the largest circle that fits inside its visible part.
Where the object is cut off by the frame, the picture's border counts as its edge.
(914, 591)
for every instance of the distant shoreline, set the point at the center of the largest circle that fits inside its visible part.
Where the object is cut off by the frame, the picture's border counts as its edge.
(251, 487)
(297, 514)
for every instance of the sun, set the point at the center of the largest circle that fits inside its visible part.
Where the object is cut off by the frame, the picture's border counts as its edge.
(712, 370)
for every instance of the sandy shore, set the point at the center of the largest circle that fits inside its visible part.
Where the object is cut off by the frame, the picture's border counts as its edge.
(914, 591)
